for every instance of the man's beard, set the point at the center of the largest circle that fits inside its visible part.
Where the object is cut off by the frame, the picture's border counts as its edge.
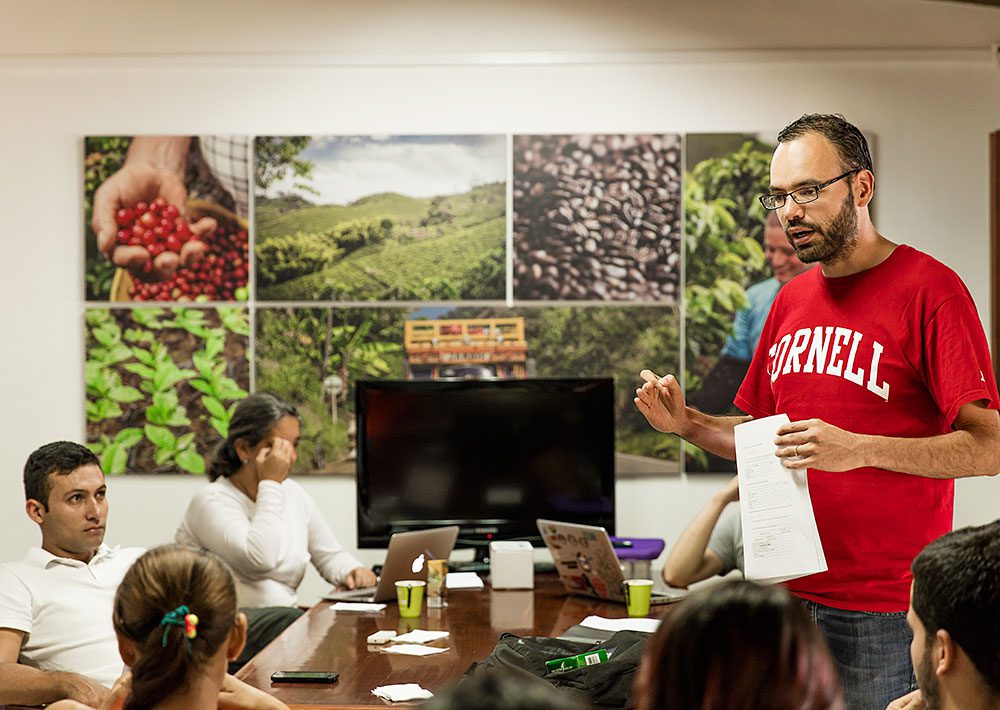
(832, 242)
(927, 680)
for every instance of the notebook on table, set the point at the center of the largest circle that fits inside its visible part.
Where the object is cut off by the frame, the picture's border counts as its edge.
(587, 563)
(405, 558)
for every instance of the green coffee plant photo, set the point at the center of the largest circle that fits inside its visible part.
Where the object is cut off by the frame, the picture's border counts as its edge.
(162, 384)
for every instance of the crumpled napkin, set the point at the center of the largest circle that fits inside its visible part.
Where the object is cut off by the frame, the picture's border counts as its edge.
(401, 692)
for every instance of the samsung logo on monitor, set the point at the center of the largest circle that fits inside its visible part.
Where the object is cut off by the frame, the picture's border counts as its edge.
(486, 530)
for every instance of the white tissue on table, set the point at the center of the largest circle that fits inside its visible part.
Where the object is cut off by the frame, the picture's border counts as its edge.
(402, 692)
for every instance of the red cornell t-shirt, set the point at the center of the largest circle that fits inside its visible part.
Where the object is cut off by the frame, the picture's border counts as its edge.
(895, 350)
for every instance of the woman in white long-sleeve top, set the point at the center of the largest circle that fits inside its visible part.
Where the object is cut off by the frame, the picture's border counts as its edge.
(262, 523)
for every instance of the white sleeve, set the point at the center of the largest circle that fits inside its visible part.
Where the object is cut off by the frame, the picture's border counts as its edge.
(15, 602)
(249, 546)
(328, 555)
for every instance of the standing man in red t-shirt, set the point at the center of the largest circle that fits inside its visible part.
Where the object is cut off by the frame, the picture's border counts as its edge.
(880, 361)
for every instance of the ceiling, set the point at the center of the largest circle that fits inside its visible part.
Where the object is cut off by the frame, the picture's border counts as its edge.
(339, 27)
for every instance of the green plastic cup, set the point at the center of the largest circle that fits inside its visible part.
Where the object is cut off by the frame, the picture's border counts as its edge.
(410, 595)
(637, 595)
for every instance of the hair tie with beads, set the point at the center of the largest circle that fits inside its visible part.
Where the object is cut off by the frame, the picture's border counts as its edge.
(181, 616)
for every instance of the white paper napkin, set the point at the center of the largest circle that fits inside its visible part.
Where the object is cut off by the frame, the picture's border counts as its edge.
(421, 636)
(413, 649)
(401, 692)
(357, 606)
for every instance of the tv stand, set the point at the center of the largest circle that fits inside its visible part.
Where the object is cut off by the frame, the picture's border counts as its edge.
(478, 566)
(481, 562)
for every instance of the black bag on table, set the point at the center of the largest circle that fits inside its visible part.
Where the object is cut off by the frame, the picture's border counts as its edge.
(605, 685)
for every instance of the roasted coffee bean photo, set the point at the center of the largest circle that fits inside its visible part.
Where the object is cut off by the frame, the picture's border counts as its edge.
(597, 217)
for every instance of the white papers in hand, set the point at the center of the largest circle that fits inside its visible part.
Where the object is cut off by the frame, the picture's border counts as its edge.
(602, 624)
(780, 539)
(401, 692)
(413, 649)
(421, 636)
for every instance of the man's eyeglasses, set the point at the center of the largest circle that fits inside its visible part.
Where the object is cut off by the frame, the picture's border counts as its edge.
(774, 200)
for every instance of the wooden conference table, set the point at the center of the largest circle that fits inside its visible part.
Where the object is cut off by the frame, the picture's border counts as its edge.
(325, 640)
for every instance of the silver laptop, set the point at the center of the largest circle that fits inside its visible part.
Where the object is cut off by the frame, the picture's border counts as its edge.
(405, 558)
(587, 563)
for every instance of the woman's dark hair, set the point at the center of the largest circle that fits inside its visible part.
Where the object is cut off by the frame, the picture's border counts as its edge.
(738, 645)
(252, 420)
(159, 582)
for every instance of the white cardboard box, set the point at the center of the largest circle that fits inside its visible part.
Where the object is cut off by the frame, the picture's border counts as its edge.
(512, 565)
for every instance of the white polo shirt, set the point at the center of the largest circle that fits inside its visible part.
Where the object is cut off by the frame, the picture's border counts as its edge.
(64, 607)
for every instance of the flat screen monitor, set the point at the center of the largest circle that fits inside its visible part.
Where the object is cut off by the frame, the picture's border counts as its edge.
(490, 456)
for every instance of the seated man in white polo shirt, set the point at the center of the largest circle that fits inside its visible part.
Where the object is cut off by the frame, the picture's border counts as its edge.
(56, 637)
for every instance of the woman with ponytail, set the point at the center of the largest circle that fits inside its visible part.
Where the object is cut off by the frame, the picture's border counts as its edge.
(262, 523)
(178, 625)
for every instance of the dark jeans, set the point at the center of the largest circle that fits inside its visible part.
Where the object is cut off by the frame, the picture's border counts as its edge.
(872, 653)
(265, 623)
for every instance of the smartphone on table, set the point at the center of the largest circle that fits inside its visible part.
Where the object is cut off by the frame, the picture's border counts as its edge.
(304, 677)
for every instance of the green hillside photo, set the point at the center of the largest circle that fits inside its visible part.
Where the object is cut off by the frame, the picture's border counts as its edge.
(366, 219)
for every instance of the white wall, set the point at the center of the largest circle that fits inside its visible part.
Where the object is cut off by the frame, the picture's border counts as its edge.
(930, 114)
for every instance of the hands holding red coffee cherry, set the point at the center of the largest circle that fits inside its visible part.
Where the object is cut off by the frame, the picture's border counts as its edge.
(158, 229)
(153, 174)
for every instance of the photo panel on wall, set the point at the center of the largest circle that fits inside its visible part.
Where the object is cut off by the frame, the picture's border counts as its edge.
(597, 217)
(165, 218)
(380, 218)
(729, 285)
(312, 357)
(162, 384)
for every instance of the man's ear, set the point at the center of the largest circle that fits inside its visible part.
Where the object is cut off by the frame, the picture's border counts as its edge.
(237, 637)
(36, 510)
(944, 652)
(866, 188)
(127, 650)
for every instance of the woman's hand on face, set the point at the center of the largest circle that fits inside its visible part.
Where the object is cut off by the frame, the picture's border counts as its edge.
(274, 460)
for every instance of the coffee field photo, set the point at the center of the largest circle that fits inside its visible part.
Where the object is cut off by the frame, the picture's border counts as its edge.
(375, 218)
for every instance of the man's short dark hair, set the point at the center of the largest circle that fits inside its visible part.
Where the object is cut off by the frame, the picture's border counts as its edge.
(847, 138)
(59, 457)
(956, 587)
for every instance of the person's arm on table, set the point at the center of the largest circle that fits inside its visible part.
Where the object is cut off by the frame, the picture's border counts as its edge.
(24, 685)
(661, 401)
(237, 695)
(690, 559)
(972, 449)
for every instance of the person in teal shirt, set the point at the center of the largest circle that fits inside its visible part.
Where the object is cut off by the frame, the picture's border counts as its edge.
(716, 393)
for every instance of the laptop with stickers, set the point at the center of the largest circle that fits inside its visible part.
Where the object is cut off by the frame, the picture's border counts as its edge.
(587, 563)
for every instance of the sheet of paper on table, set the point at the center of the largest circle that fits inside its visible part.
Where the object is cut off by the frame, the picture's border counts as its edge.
(463, 580)
(637, 624)
(420, 636)
(412, 649)
(357, 606)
